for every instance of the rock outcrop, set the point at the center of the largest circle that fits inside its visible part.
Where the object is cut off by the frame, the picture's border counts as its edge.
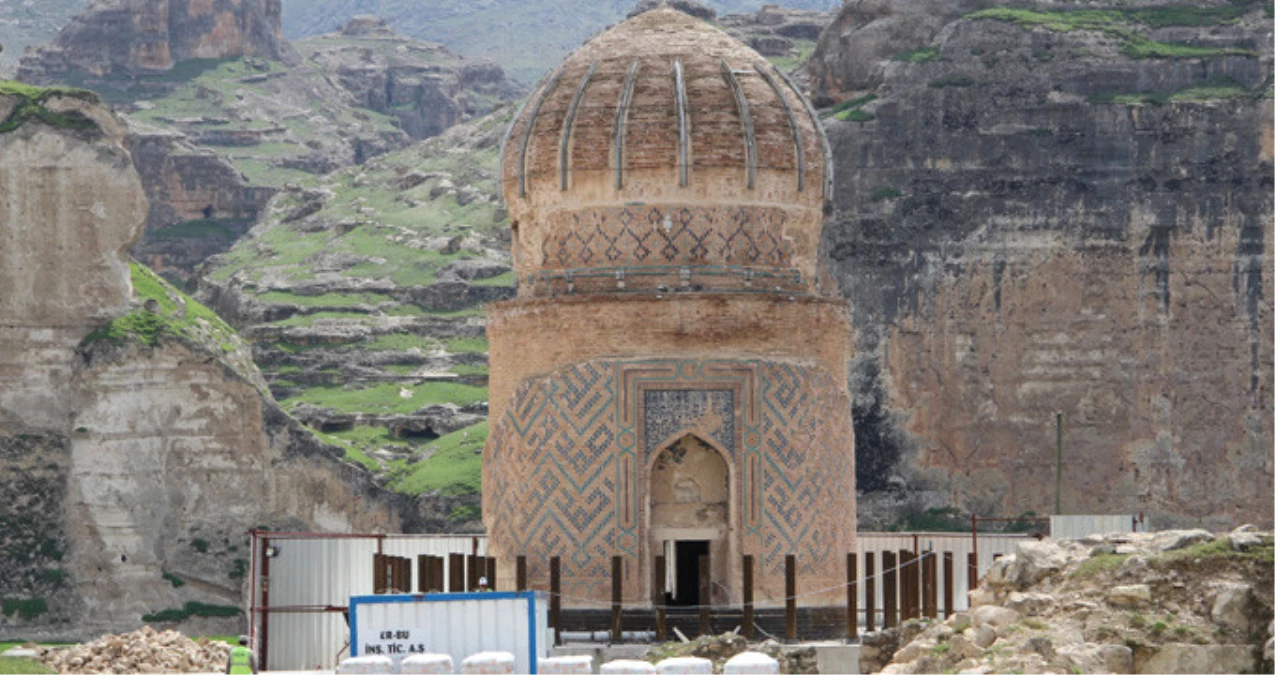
(1043, 211)
(144, 36)
(427, 87)
(137, 441)
(1151, 606)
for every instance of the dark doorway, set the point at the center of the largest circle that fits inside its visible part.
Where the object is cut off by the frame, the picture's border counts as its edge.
(687, 555)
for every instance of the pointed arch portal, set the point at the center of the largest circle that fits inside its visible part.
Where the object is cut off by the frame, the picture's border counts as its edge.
(690, 518)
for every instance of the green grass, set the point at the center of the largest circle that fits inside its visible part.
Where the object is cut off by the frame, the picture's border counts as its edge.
(199, 323)
(193, 229)
(355, 452)
(466, 345)
(885, 194)
(31, 107)
(801, 51)
(401, 342)
(309, 319)
(385, 398)
(15, 666)
(856, 115)
(454, 469)
(922, 55)
(952, 81)
(1122, 25)
(176, 581)
(325, 300)
(1099, 564)
(466, 369)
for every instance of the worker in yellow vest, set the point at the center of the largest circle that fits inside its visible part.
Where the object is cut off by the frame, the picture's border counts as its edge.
(242, 661)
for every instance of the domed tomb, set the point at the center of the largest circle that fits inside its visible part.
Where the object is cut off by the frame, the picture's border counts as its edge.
(656, 125)
(670, 384)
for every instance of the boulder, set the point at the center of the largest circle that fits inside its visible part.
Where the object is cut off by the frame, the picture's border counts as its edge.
(1184, 658)
(1129, 596)
(1029, 604)
(1230, 607)
(996, 617)
(1173, 540)
(982, 636)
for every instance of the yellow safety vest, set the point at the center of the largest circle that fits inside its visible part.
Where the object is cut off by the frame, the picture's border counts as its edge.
(241, 661)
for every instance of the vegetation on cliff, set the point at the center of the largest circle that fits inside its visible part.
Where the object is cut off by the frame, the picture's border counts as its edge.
(164, 311)
(30, 105)
(1127, 26)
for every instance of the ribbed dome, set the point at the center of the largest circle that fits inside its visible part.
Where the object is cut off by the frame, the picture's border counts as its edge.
(645, 134)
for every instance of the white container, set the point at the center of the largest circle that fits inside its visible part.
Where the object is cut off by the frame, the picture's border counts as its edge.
(627, 667)
(428, 664)
(567, 665)
(488, 663)
(751, 663)
(684, 665)
(366, 665)
(457, 624)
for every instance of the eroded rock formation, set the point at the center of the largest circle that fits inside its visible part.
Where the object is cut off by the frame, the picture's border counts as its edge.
(1038, 215)
(139, 36)
(137, 443)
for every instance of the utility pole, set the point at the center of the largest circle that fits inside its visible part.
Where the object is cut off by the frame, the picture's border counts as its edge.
(1058, 461)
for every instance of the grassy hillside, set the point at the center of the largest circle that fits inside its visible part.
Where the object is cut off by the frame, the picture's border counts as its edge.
(363, 292)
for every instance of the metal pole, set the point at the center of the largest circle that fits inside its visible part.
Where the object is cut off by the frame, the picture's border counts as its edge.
(265, 604)
(748, 597)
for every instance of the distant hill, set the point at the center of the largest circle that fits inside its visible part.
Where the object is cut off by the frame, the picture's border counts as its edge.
(526, 37)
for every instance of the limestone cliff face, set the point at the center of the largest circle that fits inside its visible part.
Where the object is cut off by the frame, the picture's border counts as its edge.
(1036, 216)
(137, 36)
(133, 456)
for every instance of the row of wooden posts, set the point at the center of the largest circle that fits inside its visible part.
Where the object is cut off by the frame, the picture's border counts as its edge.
(909, 583)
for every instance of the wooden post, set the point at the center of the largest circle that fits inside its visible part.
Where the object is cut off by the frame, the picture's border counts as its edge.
(889, 567)
(705, 594)
(617, 596)
(455, 572)
(948, 565)
(440, 579)
(661, 585)
(748, 597)
(491, 572)
(521, 572)
(911, 585)
(422, 573)
(870, 591)
(471, 572)
(972, 571)
(790, 597)
(930, 585)
(378, 573)
(555, 598)
(852, 596)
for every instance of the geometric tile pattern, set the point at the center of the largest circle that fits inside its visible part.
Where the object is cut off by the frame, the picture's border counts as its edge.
(565, 470)
(627, 236)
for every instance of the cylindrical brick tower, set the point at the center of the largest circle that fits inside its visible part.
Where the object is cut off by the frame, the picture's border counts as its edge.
(671, 380)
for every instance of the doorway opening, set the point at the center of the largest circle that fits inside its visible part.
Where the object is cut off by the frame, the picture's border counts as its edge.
(691, 575)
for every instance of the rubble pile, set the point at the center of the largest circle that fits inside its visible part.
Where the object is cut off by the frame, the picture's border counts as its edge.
(142, 651)
(720, 648)
(1168, 602)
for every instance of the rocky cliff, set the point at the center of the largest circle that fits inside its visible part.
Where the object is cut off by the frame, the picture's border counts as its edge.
(142, 36)
(137, 442)
(1169, 602)
(1056, 209)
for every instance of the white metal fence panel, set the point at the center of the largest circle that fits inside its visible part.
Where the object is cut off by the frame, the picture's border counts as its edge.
(311, 573)
(959, 544)
(459, 625)
(1075, 527)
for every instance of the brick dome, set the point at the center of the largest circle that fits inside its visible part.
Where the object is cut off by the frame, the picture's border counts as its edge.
(665, 155)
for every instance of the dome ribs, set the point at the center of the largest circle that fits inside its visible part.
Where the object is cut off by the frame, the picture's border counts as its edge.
(622, 121)
(799, 148)
(531, 126)
(564, 144)
(683, 133)
(741, 104)
(823, 138)
(651, 127)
